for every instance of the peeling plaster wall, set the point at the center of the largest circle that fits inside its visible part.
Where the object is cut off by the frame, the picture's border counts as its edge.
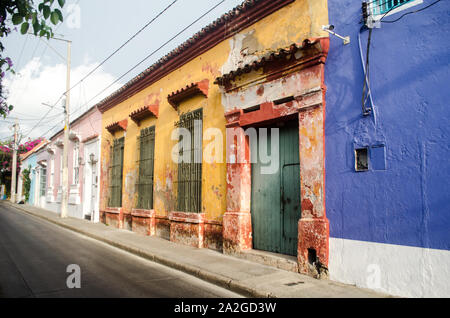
(165, 177)
(401, 214)
(244, 48)
(298, 21)
(295, 22)
(292, 85)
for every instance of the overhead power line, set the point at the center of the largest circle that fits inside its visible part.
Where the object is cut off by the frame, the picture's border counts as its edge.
(60, 122)
(49, 118)
(152, 53)
(124, 44)
(131, 69)
(106, 59)
(42, 118)
(21, 52)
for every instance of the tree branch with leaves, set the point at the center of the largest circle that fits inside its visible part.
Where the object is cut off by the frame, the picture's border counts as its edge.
(23, 15)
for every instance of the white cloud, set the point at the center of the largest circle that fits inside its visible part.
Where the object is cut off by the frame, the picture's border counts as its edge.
(36, 83)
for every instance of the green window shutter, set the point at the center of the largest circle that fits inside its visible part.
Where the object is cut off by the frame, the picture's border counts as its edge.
(190, 173)
(116, 173)
(146, 168)
(110, 176)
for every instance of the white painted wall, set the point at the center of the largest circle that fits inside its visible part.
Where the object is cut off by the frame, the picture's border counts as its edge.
(92, 176)
(20, 195)
(394, 269)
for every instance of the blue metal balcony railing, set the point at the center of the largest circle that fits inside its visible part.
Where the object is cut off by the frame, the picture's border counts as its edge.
(384, 6)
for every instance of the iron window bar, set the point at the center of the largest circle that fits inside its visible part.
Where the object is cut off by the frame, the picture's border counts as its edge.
(115, 199)
(189, 188)
(146, 168)
(384, 6)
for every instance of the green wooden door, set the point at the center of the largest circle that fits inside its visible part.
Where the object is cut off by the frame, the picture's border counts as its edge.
(275, 201)
(290, 188)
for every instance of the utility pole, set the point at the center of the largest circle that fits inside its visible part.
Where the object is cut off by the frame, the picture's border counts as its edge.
(65, 180)
(14, 166)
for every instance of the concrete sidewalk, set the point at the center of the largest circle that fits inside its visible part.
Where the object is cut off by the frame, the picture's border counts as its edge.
(238, 275)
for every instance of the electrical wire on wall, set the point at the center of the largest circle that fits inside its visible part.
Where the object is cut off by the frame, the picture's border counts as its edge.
(367, 104)
(367, 93)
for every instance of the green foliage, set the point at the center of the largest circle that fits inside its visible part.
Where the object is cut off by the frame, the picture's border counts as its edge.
(26, 182)
(25, 17)
(25, 13)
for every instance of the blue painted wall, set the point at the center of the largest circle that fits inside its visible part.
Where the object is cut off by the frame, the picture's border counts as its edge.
(31, 161)
(408, 203)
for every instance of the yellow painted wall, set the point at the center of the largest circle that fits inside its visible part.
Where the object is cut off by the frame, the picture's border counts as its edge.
(293, 23)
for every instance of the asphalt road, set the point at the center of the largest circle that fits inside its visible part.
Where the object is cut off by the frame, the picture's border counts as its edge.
(34, 256)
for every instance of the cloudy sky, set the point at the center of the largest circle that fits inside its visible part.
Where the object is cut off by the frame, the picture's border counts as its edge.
(96, 28)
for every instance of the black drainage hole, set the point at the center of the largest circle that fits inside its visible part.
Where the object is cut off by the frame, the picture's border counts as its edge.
(312, 256)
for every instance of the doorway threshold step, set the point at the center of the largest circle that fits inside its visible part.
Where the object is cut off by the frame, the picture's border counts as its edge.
(281, 261)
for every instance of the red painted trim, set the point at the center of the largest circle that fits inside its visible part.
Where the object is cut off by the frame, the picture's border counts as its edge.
(267, 113)
(232, 117)
(280, 55)
(193, 89)
(143, 213)
(112, 210)
(313, 231)
(275, 66)
(187, 217)
(118, 125)
(213, 222)
(144, 112)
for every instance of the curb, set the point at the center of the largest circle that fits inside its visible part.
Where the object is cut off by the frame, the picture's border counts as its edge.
(200, 273)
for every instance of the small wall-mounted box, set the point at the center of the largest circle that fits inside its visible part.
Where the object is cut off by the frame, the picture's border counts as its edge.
(370, 158)
(361, 159)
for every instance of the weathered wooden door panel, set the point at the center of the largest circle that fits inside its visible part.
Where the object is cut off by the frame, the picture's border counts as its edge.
(275, 201)
(290, 188)
(265, 205)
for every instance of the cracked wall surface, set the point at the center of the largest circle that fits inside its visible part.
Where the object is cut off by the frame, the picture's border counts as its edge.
(295, 22)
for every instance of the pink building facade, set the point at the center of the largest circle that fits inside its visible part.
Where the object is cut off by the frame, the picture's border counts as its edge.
(83, 157)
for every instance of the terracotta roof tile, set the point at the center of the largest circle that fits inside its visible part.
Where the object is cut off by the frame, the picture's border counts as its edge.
(270, 57)
(197, 88)
(144, 112)
(118, 125)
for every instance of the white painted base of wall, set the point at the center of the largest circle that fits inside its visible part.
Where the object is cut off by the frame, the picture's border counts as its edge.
(54, 207)
(74, 210)
(393, 269)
